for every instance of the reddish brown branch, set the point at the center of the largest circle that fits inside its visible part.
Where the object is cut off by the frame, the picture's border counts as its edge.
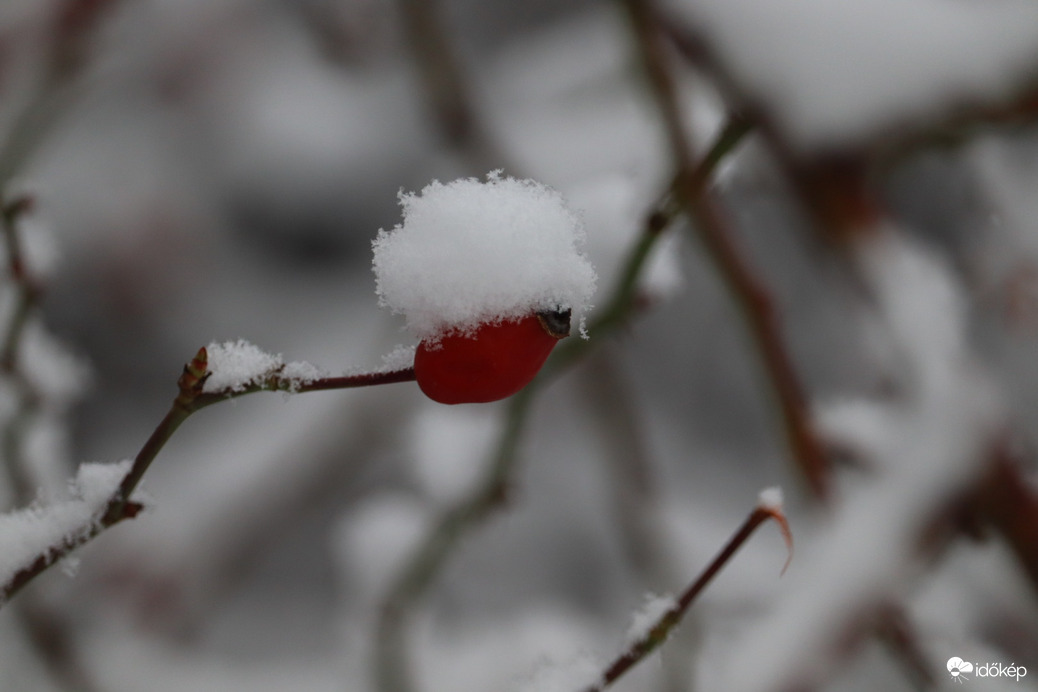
(661, 629)
(189, 399)
(1010, 504)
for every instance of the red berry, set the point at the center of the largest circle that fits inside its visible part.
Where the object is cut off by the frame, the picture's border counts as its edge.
(494, 362)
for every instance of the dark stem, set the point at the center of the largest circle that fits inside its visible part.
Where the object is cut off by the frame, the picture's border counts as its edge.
(659, 632)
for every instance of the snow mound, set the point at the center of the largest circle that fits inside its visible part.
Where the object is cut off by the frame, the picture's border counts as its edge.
(471, 252)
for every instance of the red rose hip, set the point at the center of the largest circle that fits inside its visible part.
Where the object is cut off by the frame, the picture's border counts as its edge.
(494, 362)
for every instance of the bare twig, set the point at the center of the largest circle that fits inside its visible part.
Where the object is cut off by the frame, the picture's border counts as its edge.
(672, 617)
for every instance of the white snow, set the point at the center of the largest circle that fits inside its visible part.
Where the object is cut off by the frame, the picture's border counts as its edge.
(578, 673)
(40, 251)
(835, 72)
(648, 616)
(55, 373)
(399, 358)
(770, 499)
(375, 539)
(236, 365)
(28, 533)
(301, 372)
(471, 252)
(450, 450)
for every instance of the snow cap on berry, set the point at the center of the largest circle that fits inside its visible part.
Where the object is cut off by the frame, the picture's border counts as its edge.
(471, 252)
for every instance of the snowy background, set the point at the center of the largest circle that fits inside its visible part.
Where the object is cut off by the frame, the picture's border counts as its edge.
(218, 170)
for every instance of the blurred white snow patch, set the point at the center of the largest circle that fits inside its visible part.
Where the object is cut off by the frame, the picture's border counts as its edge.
(771, 499)
(921, 306)
(577, 673)
(471, 252)
(373, 540)
(499, 651)
(858, 426)
(836, 72)
(234, 365)
(561, 100)
(40, 250)
(648, 616)
(54, 372)
(28, 533)
(450, 449)
(615, 208)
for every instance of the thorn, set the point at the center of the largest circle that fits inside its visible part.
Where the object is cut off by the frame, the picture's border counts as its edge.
(787, 535)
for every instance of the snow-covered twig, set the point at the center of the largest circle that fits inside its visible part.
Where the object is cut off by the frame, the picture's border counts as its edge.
(660, 625)
(192, 396)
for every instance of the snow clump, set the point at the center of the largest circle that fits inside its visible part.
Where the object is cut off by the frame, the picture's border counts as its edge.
(471, 252)
(234, 366)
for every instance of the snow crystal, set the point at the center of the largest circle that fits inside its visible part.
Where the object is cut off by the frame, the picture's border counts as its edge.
(450, 450)
(837, 71)
(301, 372)
(28, 533)
(648, 616)
(770, 499)
(399, 358)
(236, 365)
(469, 252)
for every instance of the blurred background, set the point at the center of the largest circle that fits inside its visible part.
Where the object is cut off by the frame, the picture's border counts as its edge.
(208, 171)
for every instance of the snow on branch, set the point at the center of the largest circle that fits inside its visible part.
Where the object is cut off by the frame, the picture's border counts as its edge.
(236, 365)
(33, 533)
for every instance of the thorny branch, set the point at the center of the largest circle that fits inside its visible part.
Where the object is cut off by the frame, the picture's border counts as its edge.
(658, 633)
